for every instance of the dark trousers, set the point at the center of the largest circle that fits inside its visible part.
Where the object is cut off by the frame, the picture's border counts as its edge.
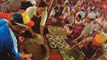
(5, 56)
(90, 50)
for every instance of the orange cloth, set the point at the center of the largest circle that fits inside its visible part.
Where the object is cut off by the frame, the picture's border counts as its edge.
(27, 20)
(7, 16)
(21, 11)
(31, 23)
(99, 39)
(95, 42)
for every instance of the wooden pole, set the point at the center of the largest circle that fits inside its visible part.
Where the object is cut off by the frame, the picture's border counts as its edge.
(51, 6)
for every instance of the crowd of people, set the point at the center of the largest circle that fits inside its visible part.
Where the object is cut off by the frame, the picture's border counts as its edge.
(84, 23)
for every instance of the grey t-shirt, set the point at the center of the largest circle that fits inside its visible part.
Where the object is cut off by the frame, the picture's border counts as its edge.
(88, 29)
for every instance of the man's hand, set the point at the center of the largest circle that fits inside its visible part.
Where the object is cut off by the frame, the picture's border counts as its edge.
(34, 34)
(78, 39)
(25, 56)
(74, 42)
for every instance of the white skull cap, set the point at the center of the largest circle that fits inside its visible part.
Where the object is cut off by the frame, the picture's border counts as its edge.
(82, 13)
(83, 8)
(97, 13)
(92, 15)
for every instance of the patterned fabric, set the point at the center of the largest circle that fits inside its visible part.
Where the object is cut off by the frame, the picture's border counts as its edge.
(10, 5)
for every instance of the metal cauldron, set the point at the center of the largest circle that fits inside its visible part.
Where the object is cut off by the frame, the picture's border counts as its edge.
(31, 45)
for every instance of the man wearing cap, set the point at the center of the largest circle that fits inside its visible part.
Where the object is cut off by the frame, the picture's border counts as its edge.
(88, 29)
(8, 41)
(38, 15)
(86, 37)
(23, 21)
(91, 45)
(80, 17)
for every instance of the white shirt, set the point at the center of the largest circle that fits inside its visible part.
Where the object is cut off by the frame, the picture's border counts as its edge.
(32, 11)
(88, 29)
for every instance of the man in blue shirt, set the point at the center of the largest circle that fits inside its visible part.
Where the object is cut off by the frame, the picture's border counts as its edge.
(8, 41)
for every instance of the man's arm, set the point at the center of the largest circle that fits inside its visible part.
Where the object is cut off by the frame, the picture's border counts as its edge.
(78, 38)
(43, 21)
(85, 32)
(42, 30)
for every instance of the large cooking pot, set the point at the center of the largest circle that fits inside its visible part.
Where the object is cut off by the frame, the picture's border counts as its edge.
(38, 50)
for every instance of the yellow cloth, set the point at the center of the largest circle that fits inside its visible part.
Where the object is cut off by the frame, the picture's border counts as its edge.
(26, 18)
(100, 38)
